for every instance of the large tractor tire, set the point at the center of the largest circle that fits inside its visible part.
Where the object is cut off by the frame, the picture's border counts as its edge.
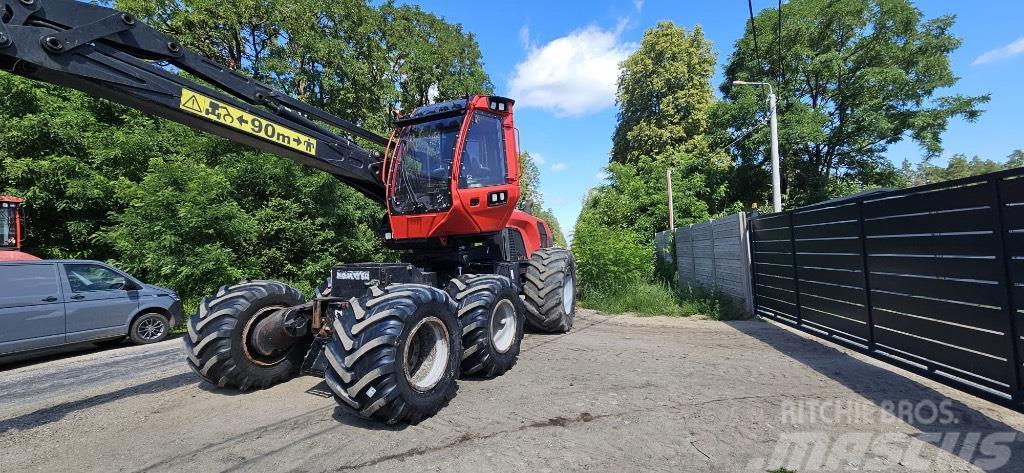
(394, 354)
(492, 319)
(218, 341)
(549, 290)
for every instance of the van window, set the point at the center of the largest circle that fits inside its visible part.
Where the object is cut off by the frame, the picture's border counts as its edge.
(92, 277)
(23, 280)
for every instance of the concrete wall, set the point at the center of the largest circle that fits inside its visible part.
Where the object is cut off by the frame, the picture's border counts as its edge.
(716, 255)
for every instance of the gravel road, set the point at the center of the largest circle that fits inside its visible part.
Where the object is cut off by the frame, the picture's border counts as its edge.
(616, 394)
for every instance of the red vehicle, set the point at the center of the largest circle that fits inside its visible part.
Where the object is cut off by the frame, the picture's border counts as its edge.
(389, 339)
(10, 230)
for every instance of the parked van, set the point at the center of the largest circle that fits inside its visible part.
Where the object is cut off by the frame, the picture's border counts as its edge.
(49, 303)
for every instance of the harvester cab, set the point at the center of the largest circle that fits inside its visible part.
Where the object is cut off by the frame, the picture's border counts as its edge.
(453, 169)
(11, 236)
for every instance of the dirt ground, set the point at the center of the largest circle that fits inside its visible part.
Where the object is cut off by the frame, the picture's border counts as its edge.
(615, 394)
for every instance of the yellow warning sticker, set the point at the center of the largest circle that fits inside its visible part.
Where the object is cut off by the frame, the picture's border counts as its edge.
(238, 119)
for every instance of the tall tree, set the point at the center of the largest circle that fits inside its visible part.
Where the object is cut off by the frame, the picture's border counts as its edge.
(853, 77)
(664, 95)
(665, 104)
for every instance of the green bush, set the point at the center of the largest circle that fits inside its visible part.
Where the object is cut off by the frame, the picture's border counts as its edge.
(611, 257)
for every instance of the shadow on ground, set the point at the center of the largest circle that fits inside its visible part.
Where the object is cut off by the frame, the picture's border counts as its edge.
(57, 412)
(963, 437)
(21, 360)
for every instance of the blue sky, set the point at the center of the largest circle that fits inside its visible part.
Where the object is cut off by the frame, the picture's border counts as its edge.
(558, 59)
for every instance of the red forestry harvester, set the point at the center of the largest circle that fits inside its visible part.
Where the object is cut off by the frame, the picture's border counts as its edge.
(11, 236)
(390, 339)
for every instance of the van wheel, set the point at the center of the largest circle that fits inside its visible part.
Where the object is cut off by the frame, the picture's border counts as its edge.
(150, 328)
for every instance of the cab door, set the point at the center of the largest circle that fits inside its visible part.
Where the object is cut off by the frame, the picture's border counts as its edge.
(99, 301)
(486, 187)
(31, 309)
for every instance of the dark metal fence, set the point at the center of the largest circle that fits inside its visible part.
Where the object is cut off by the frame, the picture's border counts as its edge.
(930, 278)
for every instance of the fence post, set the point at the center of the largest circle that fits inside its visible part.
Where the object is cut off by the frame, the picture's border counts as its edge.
(866, 272)
(753, 265)
(744, 250)
(1002, 253)
(796, 275)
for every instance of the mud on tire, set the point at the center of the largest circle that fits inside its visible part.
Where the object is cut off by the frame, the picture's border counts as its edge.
(492, 319)
(216, 341)
(549, 290)
(394, 353)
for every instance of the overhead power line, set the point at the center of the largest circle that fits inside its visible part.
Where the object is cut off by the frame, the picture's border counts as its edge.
(753, 30)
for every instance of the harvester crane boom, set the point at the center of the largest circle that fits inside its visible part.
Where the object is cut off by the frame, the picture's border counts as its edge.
(107, 53)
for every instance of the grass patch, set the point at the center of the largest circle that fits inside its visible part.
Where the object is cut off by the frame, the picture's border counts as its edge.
(647, 298)
(640, 298)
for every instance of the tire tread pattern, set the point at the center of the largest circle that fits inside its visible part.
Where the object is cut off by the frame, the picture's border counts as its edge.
(210, 344)
(542, 289)
(476, 296)
(363, 353)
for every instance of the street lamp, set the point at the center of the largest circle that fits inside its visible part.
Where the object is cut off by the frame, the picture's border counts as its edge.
(776, 174)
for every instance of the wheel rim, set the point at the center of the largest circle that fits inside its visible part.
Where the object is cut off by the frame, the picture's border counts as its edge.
(503, 325)
(252, 355)
(568, 293)
(151, 328)
(426, 354)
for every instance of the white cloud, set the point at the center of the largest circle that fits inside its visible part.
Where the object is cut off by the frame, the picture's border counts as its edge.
(557, 167)
(538, 159)
(573, 75)
(638, 4)
(998, 54)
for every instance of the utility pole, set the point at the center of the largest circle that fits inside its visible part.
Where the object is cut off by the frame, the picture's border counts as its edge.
(671, 208)
(776, 166)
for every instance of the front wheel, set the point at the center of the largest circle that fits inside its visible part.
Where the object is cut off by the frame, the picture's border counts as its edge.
(491, 313)
(394, 354)
(219, 340)
(149, 328)
(549, 290)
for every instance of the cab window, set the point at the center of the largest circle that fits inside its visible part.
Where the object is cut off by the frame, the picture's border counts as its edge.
(483, 155)
(92, 277)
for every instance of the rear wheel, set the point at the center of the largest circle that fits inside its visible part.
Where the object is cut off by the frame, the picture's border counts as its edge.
(219, 340)
(394, 354)
(492, 323)
(549, 290)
